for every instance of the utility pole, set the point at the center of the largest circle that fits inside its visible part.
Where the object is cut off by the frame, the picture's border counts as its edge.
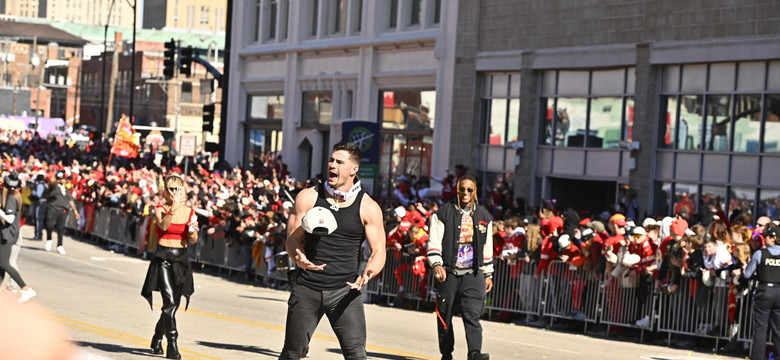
(132, 66)
(103, 81)
(112, 81)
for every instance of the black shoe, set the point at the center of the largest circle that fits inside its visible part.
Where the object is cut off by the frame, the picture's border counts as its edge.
(157, 344)
(173, 348)
(476, 355)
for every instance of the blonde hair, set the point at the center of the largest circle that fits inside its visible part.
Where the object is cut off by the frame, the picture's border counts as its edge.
(532, 237)
(743, 231)
(741, 252)
(171, 178)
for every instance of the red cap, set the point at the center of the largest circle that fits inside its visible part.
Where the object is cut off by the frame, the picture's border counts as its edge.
(584, 222)
(405, 226)
(678, 227)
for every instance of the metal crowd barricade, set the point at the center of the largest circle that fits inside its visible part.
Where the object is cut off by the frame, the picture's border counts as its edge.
(571, 293)
(697, 310)
(625, 301)
(399, 264)
(515, 289)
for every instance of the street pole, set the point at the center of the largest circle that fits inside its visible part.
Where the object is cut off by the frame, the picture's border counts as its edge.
(103, 81)
(132, 66)
(225, 83)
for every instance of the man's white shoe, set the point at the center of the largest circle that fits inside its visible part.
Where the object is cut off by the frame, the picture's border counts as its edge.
(644, 322)
(61, 250)
(48, 245)
(26, 295)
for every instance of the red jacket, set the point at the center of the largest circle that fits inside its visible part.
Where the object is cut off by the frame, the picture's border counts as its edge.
(548, 254)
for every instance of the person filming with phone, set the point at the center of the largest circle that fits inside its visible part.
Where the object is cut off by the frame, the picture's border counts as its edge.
(170, 272)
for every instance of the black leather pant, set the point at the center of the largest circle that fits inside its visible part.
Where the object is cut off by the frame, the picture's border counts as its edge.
(171, 298)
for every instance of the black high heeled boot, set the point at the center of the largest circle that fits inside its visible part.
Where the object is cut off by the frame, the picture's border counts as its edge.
(156, 345)
(173, 348)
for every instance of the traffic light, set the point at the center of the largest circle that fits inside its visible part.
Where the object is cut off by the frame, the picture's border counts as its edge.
(170, 59)
(185, 61)
(208, 118)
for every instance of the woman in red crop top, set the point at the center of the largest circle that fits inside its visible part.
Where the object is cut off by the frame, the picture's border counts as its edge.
(170, 272)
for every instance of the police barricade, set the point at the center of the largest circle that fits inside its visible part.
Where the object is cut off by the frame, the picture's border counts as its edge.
(114, 225)
(697, 310)
(102, 223)
(212, 251)
(571, 293)
(628, 301)
(409, 271)
(515, 289)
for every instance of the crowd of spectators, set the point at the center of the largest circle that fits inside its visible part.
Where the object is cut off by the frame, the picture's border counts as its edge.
(251, 205)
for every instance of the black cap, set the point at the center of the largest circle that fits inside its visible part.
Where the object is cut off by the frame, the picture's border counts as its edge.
(11, 181)
(770, 232)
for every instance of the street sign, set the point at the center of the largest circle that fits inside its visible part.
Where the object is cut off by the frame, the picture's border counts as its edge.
(187, 144)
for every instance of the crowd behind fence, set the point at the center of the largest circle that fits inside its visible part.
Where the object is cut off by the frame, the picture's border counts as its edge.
(560, 292)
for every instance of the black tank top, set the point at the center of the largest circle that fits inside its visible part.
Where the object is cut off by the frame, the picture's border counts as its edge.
(339, 250)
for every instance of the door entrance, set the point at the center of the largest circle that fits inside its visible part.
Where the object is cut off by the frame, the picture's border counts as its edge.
(593, 196)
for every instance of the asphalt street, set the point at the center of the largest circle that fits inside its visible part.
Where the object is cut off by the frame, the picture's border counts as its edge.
(95, 294)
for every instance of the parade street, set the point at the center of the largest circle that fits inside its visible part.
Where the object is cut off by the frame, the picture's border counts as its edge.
(95, 293)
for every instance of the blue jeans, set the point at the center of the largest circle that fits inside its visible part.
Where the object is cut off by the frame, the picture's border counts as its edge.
(40, 218)
(344, 309)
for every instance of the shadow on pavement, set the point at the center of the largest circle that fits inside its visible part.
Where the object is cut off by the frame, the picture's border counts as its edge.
(250, 349)
(113, 348)
(262, 298)
(375, 355)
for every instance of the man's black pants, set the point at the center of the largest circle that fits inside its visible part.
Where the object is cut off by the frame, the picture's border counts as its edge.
(766, 310)
(466, 292)
(55, 220)
(344, 308)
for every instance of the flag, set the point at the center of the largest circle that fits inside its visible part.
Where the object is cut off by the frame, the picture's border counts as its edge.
(126, 144)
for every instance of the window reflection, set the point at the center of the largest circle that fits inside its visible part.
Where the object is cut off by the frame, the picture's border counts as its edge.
(768, 202)
(718, 122)
(741, 201)
(685, 199)
(772, 124)
(690, 128)
(747, 123)
(605, 122)
(266, 107)
(317, 109)
(497, 115)
(570, 121)
(670, 122)
(408, 110)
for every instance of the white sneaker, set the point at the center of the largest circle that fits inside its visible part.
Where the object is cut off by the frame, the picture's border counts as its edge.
(48, 245)
(643, 322)
(27, 295)
(61, 250)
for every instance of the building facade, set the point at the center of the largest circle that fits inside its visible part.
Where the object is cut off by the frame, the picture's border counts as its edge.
(306, 69)
(674, 100)
(576, 101)
(207, 16)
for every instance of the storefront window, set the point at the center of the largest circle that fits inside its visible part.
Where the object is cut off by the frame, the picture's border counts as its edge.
(408, 109)
(405, 159)
(769, 201)
(572, 114)
(685, 199)
(747, 123)
(741, 201)
(317, 109)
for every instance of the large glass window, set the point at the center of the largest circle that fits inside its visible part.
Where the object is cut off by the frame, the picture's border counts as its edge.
(408, 109)
(772, 124)
(588, 108)
(501, 108)
(266, 107)
(747, 123)
(768, 202)
(685, 199)
(712, 116)
(317, 109)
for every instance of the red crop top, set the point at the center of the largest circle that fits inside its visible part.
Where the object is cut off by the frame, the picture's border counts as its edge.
(175, 231)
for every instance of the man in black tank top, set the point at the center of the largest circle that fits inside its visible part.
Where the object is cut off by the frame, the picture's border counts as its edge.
(327, 257)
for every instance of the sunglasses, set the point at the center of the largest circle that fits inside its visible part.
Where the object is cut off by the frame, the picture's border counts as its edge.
(464, 190)
(174, 189)
(761, 225)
